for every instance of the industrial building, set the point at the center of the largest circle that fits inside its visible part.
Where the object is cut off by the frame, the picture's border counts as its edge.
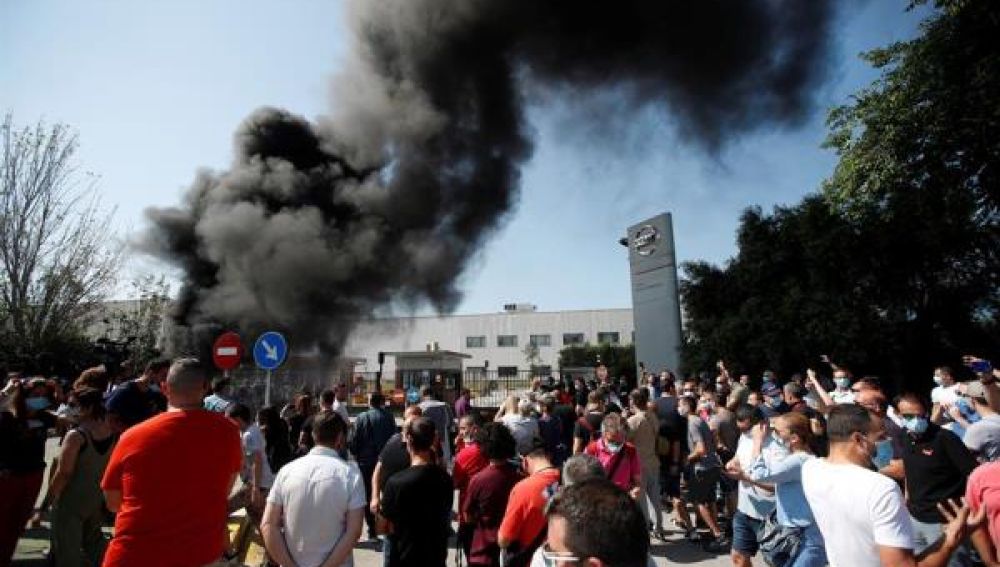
(501, 342)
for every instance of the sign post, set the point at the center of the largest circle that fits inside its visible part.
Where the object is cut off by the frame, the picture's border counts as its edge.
(269, 352)
(227, 352)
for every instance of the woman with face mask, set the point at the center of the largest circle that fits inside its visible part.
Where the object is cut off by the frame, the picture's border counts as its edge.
(23, 430)
(800, 543)
(77, 501)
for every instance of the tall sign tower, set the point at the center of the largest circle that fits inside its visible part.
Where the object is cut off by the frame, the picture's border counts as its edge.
(656, 306)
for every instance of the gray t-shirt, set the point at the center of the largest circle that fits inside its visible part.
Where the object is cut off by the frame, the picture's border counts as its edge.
(983, 437)
(723, 422)
(698, 431)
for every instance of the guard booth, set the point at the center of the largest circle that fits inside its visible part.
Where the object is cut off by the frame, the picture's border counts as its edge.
(441, 369)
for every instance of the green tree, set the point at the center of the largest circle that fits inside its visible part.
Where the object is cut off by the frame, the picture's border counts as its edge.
(142, 323)
(895, 266)
(620, 359)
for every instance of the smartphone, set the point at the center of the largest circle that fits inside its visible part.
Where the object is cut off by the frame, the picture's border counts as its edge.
(981, 367)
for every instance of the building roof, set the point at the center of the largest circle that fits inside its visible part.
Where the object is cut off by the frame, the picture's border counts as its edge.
(435, 354)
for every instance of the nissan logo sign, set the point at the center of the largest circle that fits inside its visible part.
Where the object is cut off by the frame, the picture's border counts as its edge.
(644, 240)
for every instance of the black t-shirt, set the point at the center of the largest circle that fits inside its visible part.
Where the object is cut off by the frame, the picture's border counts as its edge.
(394, 458)
(295, 428)
(134, 405)
(585, 433)
(567, 415)
(22, 442)
(418, 502)
(937, 465)
(672, 425)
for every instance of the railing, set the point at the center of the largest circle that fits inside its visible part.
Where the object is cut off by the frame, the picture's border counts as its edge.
(488, 387)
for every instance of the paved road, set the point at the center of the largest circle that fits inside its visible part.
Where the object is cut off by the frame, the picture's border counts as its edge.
(32, 547)
(31, 553)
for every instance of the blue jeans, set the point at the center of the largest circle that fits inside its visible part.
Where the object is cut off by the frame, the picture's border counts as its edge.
(812, 550)
(746, 534)
(925, 534)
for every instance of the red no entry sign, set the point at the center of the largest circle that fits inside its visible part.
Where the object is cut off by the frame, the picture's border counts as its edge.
(227, 351)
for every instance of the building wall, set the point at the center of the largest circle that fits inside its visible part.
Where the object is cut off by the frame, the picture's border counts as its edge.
(451, 332)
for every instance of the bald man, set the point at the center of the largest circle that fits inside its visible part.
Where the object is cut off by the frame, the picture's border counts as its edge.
(172, 474)
(889, 454)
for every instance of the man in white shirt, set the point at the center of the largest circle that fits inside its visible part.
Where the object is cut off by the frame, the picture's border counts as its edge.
(340, 403)
(255, 473)
(755, 501)
(315, 510)
(861, 513)
(441, 414)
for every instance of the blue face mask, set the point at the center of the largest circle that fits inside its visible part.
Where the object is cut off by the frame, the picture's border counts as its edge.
(916, 425)
(36, 403)
(613, 447)
(842, 383)
(883, 454)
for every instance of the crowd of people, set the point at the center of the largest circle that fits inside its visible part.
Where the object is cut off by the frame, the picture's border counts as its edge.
(808, 471)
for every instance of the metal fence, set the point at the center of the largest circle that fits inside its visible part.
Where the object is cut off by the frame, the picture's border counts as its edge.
(489, 388)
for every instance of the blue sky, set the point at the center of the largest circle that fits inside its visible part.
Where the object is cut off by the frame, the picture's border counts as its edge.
(156, 89)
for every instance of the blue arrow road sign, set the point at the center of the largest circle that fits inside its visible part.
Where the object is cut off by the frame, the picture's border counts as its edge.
(270, 350)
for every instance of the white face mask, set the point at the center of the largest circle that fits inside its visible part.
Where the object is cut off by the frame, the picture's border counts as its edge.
(938, 379)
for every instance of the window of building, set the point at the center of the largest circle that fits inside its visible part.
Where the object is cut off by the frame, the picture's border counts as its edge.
(540, 340)
(507, 371)
(571, 339)
(506, 340)
(607, 338)
(475, 342)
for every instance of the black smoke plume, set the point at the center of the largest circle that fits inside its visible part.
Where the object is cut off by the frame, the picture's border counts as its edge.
(383, 203)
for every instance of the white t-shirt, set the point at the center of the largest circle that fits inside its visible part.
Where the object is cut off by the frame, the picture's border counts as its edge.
(944, 395)
(341, 408)
(750, 500)
(842, 397)
(253, 442)
(315, 493)
(856, 510)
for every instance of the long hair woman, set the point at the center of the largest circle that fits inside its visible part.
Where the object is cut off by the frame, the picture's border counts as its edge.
(793, 432)
(77, 501)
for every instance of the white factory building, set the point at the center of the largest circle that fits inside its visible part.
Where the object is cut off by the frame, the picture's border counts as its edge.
(496, 341)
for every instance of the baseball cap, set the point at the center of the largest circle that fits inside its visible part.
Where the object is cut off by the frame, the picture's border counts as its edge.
(975, 390)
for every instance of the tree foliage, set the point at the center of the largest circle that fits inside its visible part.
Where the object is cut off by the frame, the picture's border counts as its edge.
(895, 266)
(620, 359)
(142, 326)
(56, 258)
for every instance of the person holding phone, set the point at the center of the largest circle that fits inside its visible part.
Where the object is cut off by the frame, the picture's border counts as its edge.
(944, 395)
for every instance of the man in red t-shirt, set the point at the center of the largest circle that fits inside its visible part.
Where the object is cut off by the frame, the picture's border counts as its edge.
(983, 491)
(468, 461)
(523, 525)
(168, 480)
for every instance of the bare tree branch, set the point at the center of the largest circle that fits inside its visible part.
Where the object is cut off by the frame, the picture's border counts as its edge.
(57, 260)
